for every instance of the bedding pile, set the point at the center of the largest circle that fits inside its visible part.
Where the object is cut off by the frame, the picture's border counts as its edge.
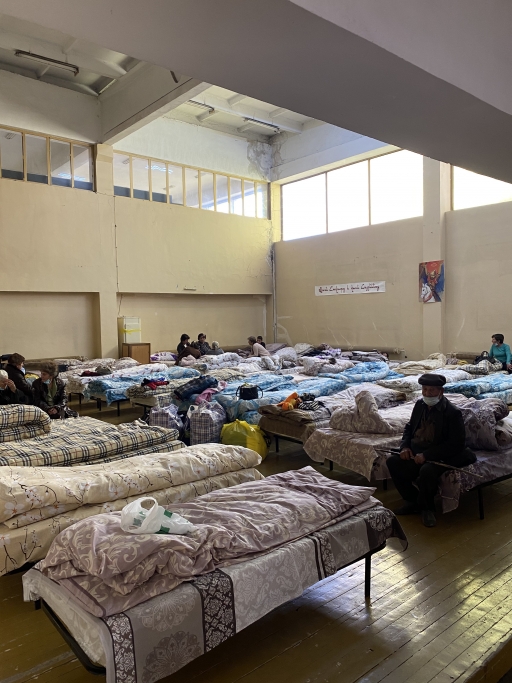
(418, 367)
(37, 503)
(18, 422)
(85, 440)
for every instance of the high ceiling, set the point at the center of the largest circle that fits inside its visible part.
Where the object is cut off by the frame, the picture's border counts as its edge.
(236, 114)
(98, 67)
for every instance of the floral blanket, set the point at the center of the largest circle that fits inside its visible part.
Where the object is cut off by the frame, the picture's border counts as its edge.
(19, 422)
(232, 524)
(474, 387)
(38, 503)
(154, 639)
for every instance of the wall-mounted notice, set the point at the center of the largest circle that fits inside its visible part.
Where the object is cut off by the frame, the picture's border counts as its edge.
(351, 288)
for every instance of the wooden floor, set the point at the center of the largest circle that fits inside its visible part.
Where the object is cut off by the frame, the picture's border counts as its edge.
(441, 611)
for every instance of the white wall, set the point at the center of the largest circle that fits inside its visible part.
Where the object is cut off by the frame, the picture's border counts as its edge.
(44, 108)
(185, 143)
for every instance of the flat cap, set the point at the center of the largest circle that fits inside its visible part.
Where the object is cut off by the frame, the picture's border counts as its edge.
(432, 380)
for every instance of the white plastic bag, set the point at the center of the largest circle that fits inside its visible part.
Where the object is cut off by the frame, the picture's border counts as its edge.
(137, 519)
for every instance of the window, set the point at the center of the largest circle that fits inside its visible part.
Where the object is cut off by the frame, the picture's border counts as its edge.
(122, 182)
(37, 159)
(222, 194)
(236, 200)
(175, 174)
(192, 187)
(348, 203)
(140, 173)
(386, 188)
(60, 162)
(11, 154)
(471, 189)
(304, 208)
(262, 200)
(82, 168)
(207, 197)
(396, 186)
(165, 182)
(159, 182)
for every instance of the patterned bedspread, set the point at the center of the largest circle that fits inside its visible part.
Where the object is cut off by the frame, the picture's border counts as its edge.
(86, 440)
(156, 638)
(474, 388)
(19, 422)
(38, 503)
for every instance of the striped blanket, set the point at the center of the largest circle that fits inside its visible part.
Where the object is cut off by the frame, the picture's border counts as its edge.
(86, 440)
(19, 422)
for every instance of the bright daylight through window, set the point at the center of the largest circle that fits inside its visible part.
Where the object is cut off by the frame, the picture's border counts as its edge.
(471, 189)
(387, 188)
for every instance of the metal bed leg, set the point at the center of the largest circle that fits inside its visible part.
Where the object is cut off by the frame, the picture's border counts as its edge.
(331, 465)
(480, 501)
(118, 408)
(98, 404)
(277, 443)
(384, 484)
(79, 399)
(367, 576)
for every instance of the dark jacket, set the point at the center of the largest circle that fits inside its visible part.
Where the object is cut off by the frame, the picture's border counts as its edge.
(449, 444)
(8, 397)
(19, 380)
(41, 395)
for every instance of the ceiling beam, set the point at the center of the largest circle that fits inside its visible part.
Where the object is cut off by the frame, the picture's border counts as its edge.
(236, 99)
(143, 95)
(277, 112)
(206, 115)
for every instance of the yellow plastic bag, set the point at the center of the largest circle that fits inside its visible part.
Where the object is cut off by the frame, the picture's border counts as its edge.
(241, 433)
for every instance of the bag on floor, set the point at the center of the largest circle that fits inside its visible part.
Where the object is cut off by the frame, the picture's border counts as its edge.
(195, 386)
(248, 392)
(206, 423)
(138, 519)
(240, 433)
(165, 417)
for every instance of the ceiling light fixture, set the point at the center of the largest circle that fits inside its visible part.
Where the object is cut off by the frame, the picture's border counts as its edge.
(48, 61)
(201, 105)
(255, 122)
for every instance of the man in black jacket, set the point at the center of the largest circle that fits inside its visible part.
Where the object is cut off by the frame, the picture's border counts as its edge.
(436, 433)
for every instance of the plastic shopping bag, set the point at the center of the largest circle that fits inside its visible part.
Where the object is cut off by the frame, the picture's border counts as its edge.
(137, 519)
(240, 433)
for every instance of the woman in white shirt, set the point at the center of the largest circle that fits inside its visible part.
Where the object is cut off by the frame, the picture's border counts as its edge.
(257, 349)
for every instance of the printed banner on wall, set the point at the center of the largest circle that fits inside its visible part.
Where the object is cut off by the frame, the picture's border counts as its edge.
(431, 282)
(351, 288)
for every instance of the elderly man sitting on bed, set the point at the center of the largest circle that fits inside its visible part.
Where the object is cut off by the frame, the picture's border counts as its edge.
(9, 393)
(434, 434)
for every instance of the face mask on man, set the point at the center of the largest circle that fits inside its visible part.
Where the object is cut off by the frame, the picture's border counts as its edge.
(431, 400)
(3, 388)
(47, 381)
(23, 370)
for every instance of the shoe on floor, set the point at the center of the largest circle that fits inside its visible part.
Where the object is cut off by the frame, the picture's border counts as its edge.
(407, 509)
(428, 518)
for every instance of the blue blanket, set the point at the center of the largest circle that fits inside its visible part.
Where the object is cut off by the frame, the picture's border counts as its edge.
(114, 388)
(474, 388)
(366, 372)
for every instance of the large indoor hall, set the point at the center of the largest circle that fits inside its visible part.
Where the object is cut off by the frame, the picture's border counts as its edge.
(255, 361)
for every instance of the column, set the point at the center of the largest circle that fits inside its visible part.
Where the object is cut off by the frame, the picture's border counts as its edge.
(436, 202)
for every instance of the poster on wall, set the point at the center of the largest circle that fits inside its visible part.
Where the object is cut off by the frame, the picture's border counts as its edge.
(351, 288)
(431, 282)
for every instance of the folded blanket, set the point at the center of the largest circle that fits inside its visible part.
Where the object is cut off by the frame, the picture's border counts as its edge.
(29, 494)
(19, 422)
(481, 385)
(418, 367)
(96, 561)
(363, 416)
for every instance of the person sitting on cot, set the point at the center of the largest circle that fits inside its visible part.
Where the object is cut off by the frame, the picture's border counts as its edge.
(204, 348)
(9, 394)
(184, 342)
(16, 372)
(259, 340)
(257, 349)
(501, 352)
(50, 392)
(186, 348)
(434, 434)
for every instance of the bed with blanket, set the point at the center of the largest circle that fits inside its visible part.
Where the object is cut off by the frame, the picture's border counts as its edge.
(360, 437)
(37, 503)
(165, 600)
(80, 441)
(299, 425)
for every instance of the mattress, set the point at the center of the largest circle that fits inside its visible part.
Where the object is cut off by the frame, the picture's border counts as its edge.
(156, 638)
(86, 440)
(280, 426)
(192, 472)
